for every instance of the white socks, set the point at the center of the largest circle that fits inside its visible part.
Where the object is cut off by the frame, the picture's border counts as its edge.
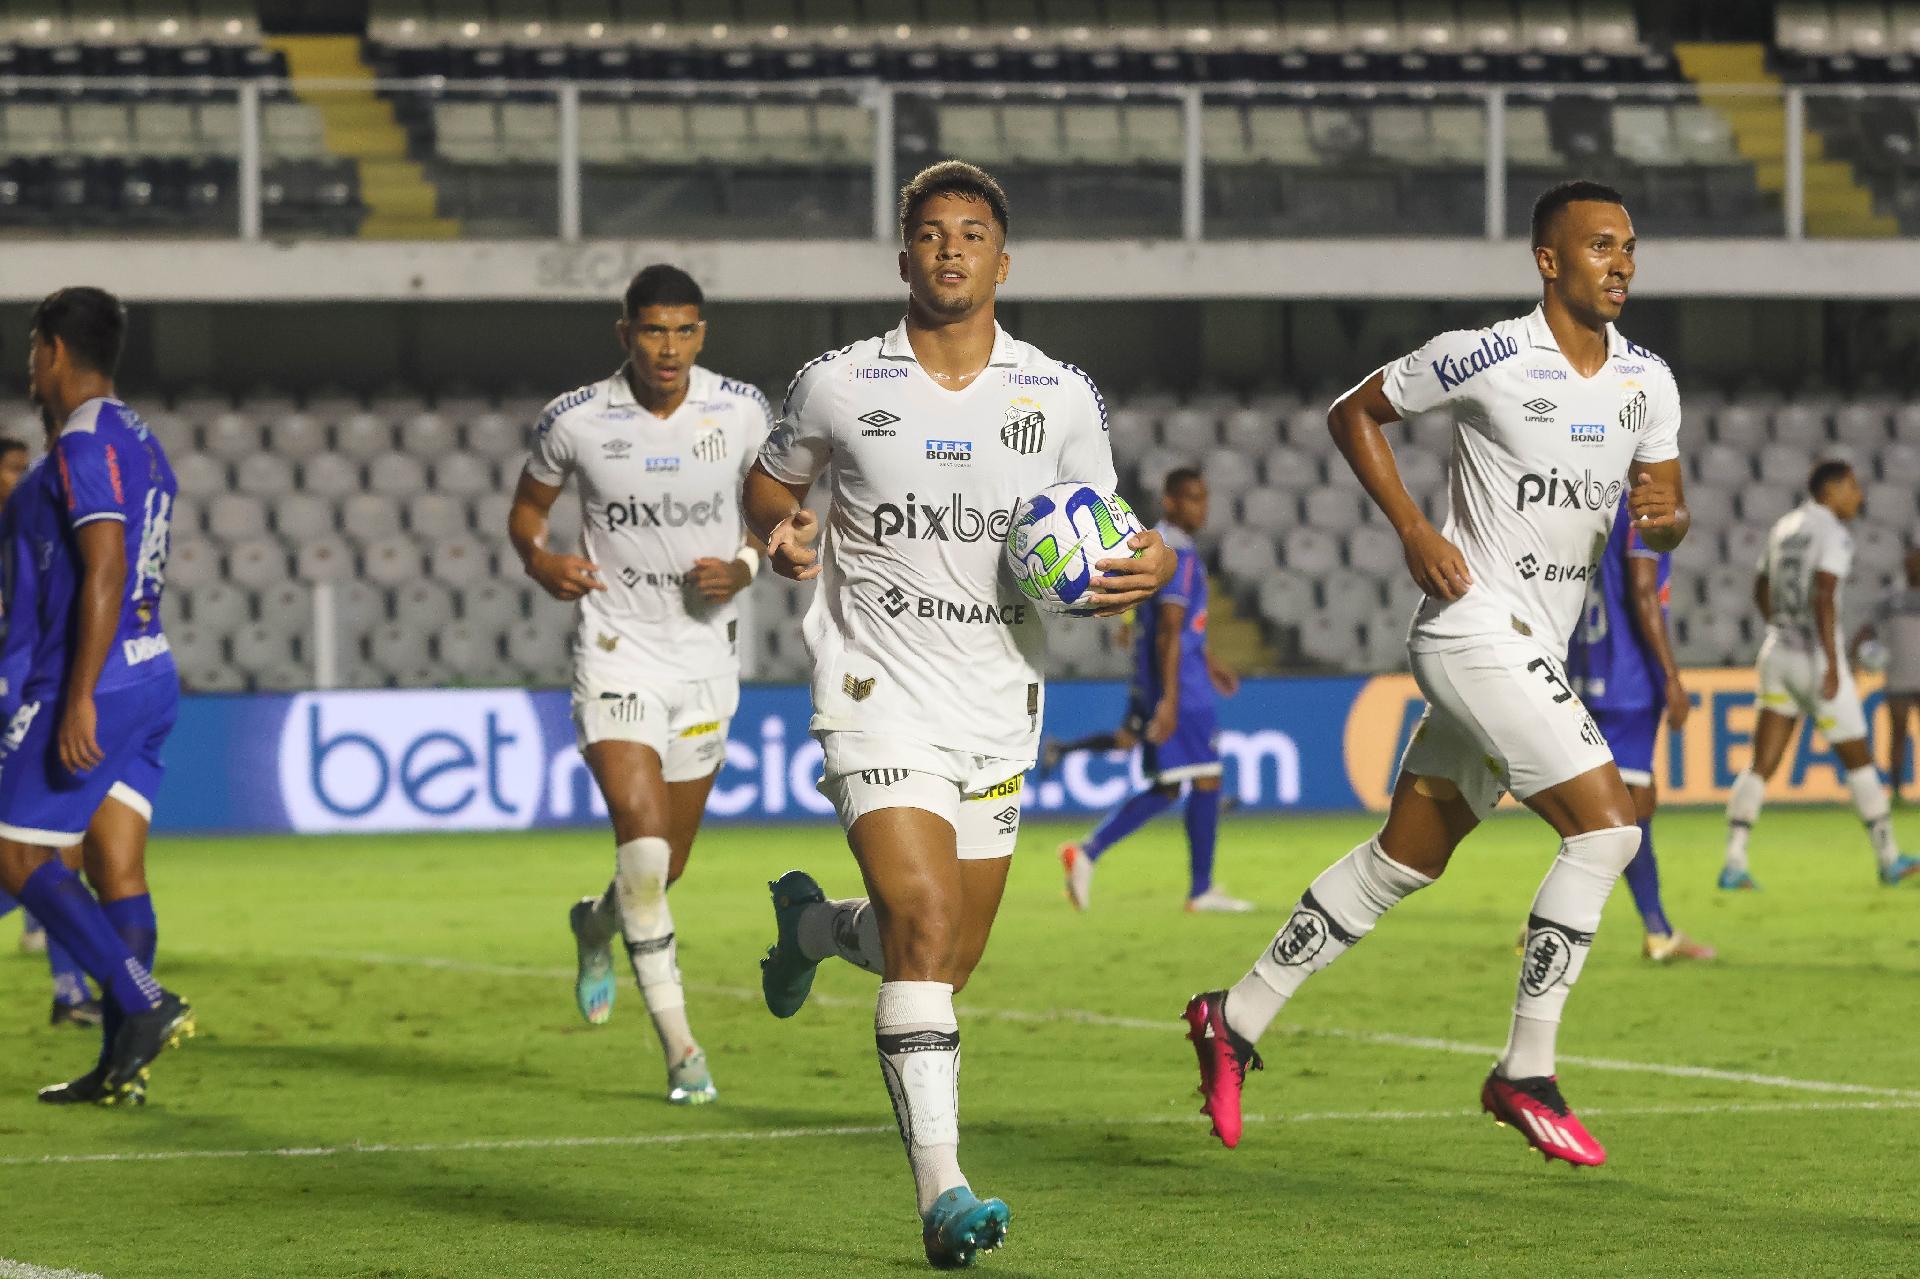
(1871, 803)
(849, 928)
(1560, 929)
(1743, 809)
(640, 884)
(1337, 910)
(919, 1044)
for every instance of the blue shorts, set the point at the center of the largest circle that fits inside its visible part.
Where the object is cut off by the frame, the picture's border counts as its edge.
(1630, 732)
(1193, 750)
(41, 803)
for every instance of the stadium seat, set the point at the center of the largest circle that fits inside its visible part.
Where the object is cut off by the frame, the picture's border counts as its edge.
(1723, 466)
(1310, 550)
(187, 518)
(391, 561)
(1334, 510)
(396, 474)
(537, 645)
(286, 606)
(199, 475)
(1228, 474)
(490, 605)
(425, 604)
(357, 607)
(1784, 465)
(324, 559)
(231, 436)
(1348, 599)
(330, 475)
(217, 607)
(1878, 548)
(1899, 463)
(398, 649)
(433, 516)
(1251, 430)
(429, 436)
(1800, 425)
(257, 563)
(1325, 641)
(1286, 598)
(298, 516)
(461, 561)
(1375, 549)
(1740, 426)
(1861, 425)
(192, 564)
(1765, 503)
(1743, 544)
(256, 648)
(1190, 429)
(1711, 507)
(464, 475)
(233, 517)
(1267, 510)
(297, 436)
(264, 475)
(367, 516)
(495, 435)
(1894, 505)
(1288, 468)
(364, 436)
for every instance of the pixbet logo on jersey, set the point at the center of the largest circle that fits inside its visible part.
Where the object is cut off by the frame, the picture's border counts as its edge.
(954, 521)
(668, 512)
(1584, 492)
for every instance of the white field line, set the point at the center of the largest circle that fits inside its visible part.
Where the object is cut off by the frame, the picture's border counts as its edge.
(1171, 1024)
(486, 1145)
(11, 1269)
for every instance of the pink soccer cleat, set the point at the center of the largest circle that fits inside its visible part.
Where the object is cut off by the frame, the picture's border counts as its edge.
(1224, 1058)
(1536, 1108)
(1079, 869)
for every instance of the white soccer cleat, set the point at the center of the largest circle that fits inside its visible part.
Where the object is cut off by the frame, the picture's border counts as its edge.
(1213, 901)
(1079, 868)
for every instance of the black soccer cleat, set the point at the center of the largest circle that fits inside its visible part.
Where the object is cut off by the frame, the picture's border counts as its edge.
(90, 1089)
(85, 1014)
(142, 1037)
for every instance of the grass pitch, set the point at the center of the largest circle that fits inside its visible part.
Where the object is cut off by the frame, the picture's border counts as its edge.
(391, 1079)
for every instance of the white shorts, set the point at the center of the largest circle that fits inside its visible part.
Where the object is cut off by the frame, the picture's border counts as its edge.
(978, 795)
(1501, 716)
(684, 723)
(1789, 684)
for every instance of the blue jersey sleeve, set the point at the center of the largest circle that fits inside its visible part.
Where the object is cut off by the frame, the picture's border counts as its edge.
(1186, 574)
(90, 479)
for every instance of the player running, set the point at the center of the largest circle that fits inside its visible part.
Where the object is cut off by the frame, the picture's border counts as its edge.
(658, 451)
(926, 660)
(1895, 625)
(1622, 665)
(73, 1002)
(81, 755)
(1175, 678)
(1800, 670)
(1557, 419)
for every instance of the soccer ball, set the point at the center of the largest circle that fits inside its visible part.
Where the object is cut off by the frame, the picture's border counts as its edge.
(1058, 535)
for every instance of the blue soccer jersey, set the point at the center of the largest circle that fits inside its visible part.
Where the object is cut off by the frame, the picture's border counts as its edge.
(1188, 588)
(105, 465)
(1611, 663)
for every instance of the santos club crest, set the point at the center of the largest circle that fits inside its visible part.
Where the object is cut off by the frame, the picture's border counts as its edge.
(1026, 428)
(710, 445)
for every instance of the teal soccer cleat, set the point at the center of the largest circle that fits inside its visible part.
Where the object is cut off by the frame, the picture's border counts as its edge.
(593, 985)
(1901, 867)
(1737, 880)
(786, 975)
(959, 1227)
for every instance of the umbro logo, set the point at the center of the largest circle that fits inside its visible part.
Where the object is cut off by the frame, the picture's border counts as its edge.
(1008, 815)
(878, 422)
(1539, 404)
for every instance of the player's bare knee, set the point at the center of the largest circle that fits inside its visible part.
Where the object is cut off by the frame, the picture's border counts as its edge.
(1853, 754)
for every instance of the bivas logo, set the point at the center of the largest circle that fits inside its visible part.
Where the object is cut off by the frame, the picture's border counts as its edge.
(453, 760)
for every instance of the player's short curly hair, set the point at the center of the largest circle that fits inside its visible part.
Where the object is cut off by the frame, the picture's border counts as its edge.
(1556, 198)
(952, 177)
(662, 285)
(1825, 472)
(90, 323)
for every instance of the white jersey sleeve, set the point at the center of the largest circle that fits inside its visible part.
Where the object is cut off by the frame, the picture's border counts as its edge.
(554, 446)
(1086, 454)
(1833, 552)
(1660, 440)
(1430, 377)
(801, 442)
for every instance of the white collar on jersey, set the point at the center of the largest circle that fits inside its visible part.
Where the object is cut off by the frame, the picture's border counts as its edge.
(1540, 337)
(894, 346)
(620, 391)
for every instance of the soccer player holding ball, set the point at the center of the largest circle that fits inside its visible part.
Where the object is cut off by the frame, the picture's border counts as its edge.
(927, 690)
(1557, 419)
(657, 451)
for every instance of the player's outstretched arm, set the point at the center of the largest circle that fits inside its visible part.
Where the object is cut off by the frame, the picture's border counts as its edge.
(103, 583)
(1643, 577)
(1657, 503)
(565, 577)
(774, 514)
(1355, 419)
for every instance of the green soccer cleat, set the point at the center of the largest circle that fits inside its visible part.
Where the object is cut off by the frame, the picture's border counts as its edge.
(960, 1226)
(593, 984)
(786, 975)
(689, 1083)
(1900, 868)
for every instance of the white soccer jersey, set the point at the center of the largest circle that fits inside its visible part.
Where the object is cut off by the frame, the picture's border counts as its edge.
(656, 494)
(1897, 621)
(1540, 460)
(916, 629)
(1808, 539)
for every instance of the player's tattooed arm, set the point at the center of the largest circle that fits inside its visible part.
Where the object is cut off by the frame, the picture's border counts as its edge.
(1438, 567)
(1657, 503)
(1643, 576)
(774, 514)
(103, 583)
(565, 577)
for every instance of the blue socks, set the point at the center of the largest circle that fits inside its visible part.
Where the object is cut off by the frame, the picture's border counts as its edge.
(133, 919)
(60, 901)
(1643, 877)
(69, 979)
(1125, 820)
(1203, 824)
